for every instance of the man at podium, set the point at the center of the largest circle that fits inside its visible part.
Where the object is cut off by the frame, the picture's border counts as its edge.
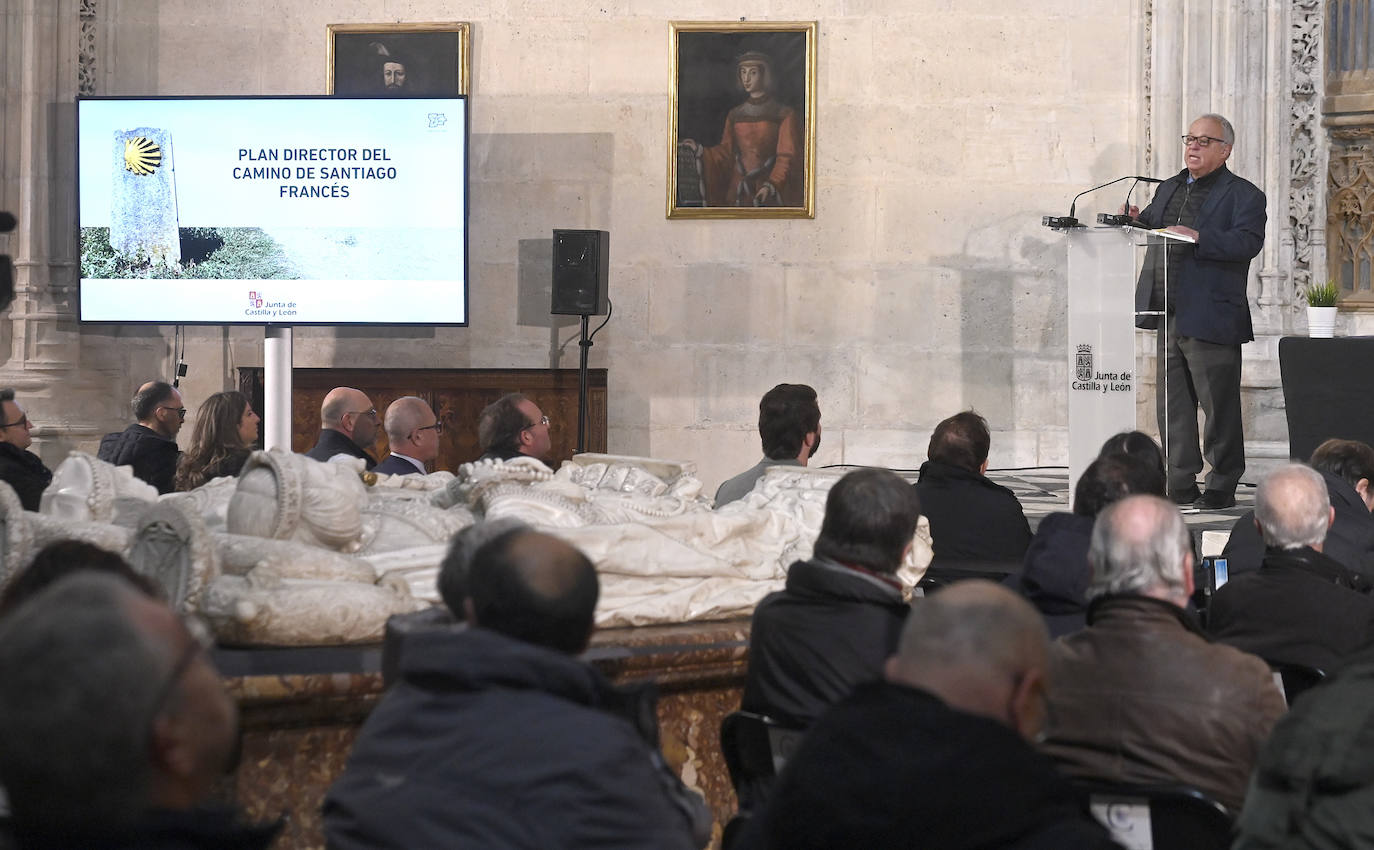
(1221, 219)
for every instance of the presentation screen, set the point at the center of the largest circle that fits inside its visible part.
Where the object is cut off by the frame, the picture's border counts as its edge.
(273, 210)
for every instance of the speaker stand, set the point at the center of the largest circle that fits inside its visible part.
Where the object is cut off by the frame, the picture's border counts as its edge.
(584, 344)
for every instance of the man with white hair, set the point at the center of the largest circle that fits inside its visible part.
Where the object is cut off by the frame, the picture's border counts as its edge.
(1141, 695)
(412, 435)
(1300, 606)
(936, 754)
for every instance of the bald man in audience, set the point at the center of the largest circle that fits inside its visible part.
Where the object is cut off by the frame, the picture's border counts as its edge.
(149, 446)
(116, 724)
(348, 426)
(1300, 606)
(1141, 695)
(412, 434)
(938, 754)
(498, 736)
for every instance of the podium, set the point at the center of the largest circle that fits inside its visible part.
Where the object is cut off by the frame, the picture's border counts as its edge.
(1103, 266)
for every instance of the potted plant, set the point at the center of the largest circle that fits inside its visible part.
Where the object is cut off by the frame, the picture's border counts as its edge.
(1321, 309)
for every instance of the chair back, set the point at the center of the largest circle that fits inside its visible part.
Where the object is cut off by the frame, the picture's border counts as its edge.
(1159, 817)
(1294, 679)
(755, 749)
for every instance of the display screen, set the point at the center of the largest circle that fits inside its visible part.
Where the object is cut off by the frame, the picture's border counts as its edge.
(273, 210)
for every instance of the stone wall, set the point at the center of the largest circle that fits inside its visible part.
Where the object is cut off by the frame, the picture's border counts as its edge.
(925, 284)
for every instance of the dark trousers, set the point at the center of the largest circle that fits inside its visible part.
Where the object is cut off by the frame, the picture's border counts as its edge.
(1200, 374)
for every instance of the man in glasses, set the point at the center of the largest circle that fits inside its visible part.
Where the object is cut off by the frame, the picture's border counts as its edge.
(117, 725)
(19, 467)
(149, 445)
(412, 432)
(348, 426)
(513, 426)
(1207, 315)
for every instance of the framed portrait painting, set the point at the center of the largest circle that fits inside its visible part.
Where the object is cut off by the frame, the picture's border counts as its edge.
(742, 140)
(405, 60)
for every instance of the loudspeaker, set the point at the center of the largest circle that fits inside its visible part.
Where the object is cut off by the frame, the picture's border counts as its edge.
(581, 261)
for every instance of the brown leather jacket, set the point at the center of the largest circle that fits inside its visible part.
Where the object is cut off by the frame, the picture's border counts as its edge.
(1141, 696)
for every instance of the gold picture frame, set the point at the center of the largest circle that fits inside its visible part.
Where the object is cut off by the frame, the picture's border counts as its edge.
(742, 98)
(431, 59)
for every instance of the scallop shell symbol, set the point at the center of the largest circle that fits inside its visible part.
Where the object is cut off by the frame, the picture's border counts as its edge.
(142, 156)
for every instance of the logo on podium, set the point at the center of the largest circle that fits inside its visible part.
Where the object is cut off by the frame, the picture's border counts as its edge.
(1083, 363)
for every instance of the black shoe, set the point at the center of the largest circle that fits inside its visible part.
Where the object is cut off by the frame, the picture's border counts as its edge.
(1186, 497)
(1215, 500)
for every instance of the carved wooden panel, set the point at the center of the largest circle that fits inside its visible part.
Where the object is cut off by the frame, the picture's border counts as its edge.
(457, 397)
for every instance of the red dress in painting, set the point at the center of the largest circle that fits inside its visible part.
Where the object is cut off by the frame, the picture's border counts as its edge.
(761, 144)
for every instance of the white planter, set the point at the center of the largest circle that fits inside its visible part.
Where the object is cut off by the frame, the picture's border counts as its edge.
(1321, 322)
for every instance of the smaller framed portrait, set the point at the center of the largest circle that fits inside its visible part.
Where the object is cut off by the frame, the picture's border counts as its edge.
(742, 113)
(404, 60)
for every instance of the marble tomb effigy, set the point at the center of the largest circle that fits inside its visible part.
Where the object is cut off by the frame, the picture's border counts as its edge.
(295, 552)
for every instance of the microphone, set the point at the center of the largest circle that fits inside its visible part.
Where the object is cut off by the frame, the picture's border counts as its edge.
(1124, 219)
(1068, 221)
(7, 222)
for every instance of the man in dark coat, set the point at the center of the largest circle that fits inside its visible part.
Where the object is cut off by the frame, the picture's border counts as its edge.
(1300, 606)
(149, 445)
(348, 426)
(971, 518)
(19, 467)
(497, 736)
(838, 617)
(513, 426)
(1208, 314)
(412, 436)
(936, 755)
(1348, 468)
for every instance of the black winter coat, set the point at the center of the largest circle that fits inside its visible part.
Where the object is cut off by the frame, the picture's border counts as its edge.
(153, 456)
(25, 472)
(971, 518)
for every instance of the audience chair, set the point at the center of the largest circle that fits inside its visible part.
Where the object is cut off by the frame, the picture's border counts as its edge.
(755, 748)
(1295, 679)
(1159, 817)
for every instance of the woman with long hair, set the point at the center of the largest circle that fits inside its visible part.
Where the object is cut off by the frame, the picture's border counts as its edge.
(226, 429)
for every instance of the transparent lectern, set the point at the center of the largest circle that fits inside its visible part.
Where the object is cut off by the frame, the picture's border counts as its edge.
(1103, 266)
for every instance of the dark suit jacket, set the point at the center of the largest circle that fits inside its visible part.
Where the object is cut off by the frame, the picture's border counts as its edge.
(1211, 303)
(971, 517)
(332, 443)
(1297, 609)
(393, 465)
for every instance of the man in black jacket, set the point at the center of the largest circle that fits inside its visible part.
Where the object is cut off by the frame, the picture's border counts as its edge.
(1300, 606)
(936, 756)
(497, 736)
(149, 445)
(19, 467)
(838, 617)
(348, 426)
(971, 518)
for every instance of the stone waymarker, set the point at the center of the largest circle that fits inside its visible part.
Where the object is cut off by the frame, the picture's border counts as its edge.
(143, 214)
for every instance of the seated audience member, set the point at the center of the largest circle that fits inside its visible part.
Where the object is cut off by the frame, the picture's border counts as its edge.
(1140, 695)
(149, 445)
(19, 467)
(936, 755)
(1143, 448)
(1347, 466)
(348, 426)
(971, 518)
(117, 727)
(1055, 574)
(511, 427)
(790, 430)
(221, 441)
(838, 617)
(1312, 788)
(1299, 607)
(498, 736)
(412, 434)
(64, 557)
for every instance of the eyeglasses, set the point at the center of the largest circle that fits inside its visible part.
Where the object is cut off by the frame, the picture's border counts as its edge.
(437, 428)
(1200, 141)
(23, 420)
(372, 411)
(202, 640)
(543, 420)
(180, 411)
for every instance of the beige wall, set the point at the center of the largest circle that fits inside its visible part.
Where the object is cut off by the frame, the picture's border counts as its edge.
(925, 284)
